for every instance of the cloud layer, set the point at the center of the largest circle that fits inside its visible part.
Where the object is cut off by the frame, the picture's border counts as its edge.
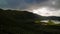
(32, 5)
(53, 8)
(19, 4)
(23, 4)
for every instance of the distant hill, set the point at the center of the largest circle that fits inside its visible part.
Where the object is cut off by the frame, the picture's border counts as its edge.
(18, 16)
(51, 17)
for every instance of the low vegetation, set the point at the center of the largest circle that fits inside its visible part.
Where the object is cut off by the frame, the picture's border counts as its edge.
(24, 22)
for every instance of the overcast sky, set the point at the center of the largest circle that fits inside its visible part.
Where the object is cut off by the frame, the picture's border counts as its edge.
(33, 4)
(21, 4)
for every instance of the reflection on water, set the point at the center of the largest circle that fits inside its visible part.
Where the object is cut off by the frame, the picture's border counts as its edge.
(55, 21)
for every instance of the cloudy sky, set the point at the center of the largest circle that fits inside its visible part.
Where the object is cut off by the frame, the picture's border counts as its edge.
(21, 4)
(41, 7)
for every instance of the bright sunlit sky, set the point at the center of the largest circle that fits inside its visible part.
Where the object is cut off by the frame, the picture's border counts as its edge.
(41, 7)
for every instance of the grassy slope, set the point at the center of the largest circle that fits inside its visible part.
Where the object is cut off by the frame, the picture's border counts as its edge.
(13, 22)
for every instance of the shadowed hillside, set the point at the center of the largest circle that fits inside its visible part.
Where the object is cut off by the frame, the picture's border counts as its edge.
(13, 21)
(23, 22)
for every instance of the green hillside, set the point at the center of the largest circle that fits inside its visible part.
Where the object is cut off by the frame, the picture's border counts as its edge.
(24, 22)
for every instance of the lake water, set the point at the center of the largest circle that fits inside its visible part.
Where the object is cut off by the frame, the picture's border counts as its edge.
(56, 22)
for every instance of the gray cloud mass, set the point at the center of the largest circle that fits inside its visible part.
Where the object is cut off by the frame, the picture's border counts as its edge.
(31, 5)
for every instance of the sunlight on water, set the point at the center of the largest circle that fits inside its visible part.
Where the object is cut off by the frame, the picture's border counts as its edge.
(56, 22)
